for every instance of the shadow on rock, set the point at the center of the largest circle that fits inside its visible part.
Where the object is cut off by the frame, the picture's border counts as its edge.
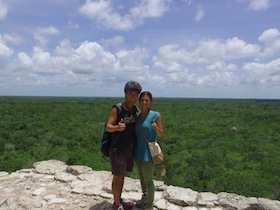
(104, 205)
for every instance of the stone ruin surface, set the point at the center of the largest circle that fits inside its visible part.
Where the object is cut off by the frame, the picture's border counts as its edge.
(52, 184)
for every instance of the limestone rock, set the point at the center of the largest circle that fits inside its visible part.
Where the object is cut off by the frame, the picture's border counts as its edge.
(52, 184)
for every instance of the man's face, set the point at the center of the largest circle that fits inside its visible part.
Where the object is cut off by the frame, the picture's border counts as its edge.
(131, 96)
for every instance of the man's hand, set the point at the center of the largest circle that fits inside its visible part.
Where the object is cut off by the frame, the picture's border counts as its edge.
(121, 125)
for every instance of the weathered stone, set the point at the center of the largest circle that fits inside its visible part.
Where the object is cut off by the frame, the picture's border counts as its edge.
(54, 185)
(207, 199)
(65, 177)
(39, 191)
(161, 204)
(29, 202)
(3, 174)
(269, 204)
(189, 208)
(232, 201)
(77, 170)
(180, 196)
(49, 167)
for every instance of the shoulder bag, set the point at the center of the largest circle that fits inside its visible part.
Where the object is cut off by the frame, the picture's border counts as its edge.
(155, 150)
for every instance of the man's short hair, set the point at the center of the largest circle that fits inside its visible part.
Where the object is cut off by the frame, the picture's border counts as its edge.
(132, 86)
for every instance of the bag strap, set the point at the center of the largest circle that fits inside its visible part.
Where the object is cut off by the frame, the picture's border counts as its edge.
(144, 134)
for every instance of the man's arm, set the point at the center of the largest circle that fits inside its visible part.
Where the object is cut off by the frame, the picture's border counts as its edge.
(110, 126)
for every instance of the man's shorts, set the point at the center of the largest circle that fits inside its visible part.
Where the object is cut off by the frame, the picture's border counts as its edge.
(121, 162)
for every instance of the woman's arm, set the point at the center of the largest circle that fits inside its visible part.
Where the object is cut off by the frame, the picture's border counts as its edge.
(157, 126)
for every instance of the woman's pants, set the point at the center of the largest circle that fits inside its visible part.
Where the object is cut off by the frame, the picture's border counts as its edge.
(145, 170)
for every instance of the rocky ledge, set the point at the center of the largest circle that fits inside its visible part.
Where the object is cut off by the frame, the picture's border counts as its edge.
(54, 185)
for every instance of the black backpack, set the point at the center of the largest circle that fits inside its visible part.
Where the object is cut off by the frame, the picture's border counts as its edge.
(107, 136)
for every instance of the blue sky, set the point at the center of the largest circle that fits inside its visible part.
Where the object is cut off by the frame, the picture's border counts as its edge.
(173, 48)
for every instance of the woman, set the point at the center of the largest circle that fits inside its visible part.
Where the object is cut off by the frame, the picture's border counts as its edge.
(149, 124)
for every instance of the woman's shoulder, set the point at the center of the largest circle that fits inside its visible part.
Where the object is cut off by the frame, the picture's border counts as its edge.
(154, 113)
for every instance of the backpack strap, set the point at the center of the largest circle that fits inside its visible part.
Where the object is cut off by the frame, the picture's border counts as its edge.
(119, 109)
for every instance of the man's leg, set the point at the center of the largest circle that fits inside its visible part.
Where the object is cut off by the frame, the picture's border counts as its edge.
(117, 186)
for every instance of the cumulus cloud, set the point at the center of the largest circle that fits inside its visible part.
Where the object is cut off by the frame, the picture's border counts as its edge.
(24, 60)
(271, 39)
(230, 49)
(3, 10)
(149, 9)
(171, 58)
(211, 62)
(12, 38)
(82, 65)
(263, 73)
(132, 60)
(104, 13)
(5, 51)
(42, 34)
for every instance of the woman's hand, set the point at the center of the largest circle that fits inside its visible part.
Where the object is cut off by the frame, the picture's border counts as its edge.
(157, 126)
(154, 125)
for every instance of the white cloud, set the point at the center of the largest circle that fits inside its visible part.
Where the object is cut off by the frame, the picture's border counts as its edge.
(25, 60)
(199, 14)
(103, 13)
(230, 49)
(269, 36)
(263, 73)
(149, 9)
(12, 38)
(42, 34)
(132, 61)
(89, 58)
(116, 41)
(258, 4)
(271, 39)
(171, 58)
(3, 10)
(222, 66)
(5, 51)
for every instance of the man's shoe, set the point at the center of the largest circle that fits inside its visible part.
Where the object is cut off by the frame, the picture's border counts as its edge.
(120, 207)
(127, 205)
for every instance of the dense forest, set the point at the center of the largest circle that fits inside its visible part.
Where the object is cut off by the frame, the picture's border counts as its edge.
(216, 145)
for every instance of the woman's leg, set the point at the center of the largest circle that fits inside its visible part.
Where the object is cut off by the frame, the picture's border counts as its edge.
(147, 171)
(139, 166)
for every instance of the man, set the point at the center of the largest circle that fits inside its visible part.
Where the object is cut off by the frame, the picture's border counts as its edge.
(123, 141)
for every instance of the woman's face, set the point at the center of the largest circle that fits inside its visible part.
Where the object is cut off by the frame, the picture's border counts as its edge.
(145, 102)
